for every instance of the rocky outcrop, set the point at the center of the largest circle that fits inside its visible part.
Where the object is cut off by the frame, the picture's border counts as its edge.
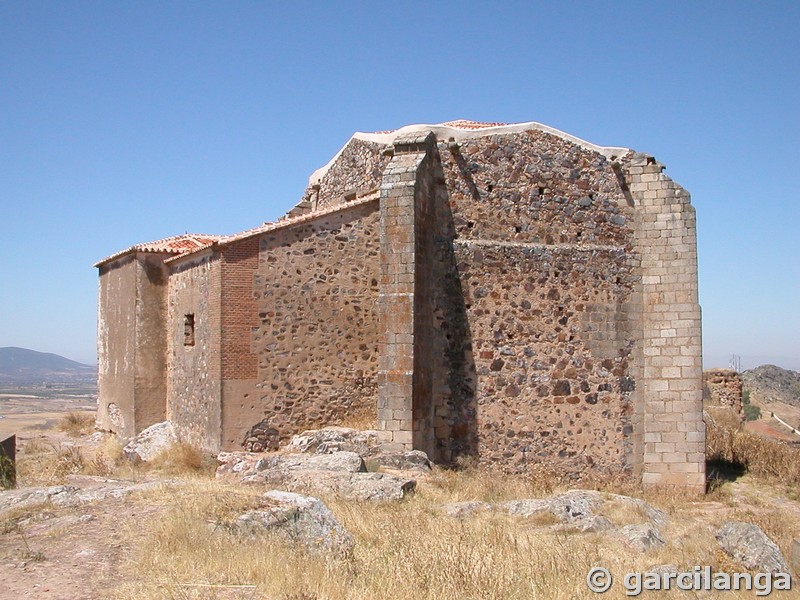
(411, 460)
(341, 473)
(80, 489)
(150, 442)
(750, 546)
(576, 511)
(640, 537)
(298, 518)
(335, 439)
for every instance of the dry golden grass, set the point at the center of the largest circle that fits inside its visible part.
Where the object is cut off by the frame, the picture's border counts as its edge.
(732, 445)
(182, 459)
(76, 424)
(410, 550)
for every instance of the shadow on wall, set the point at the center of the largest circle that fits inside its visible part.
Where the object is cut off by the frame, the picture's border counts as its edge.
(455, 383)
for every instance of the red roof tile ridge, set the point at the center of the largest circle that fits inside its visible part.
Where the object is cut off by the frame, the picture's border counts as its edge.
(175, 244)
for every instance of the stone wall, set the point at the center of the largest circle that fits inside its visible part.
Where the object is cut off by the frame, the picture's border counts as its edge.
(316, 290)
(194, 381)
(131, 345)
(355, 172)
(670, 340)
(724, 388)
(532, 324)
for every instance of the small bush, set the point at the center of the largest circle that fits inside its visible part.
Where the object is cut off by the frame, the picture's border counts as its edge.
(183, 458)
(76, 424)
(752, 412)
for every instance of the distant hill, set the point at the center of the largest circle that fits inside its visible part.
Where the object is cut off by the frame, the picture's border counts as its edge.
(769, 383)
(20, 366)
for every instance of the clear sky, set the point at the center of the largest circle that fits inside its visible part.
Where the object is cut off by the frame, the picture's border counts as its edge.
(125, 122)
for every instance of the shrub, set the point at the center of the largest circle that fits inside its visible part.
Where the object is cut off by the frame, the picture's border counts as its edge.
(76, 424)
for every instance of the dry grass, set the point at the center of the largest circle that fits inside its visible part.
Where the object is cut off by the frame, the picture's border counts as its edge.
(731, 446)
(77, 424)
(410, 550)
(41, 462)
(182, 459)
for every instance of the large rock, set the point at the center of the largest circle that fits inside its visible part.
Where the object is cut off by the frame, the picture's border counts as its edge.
(410, 460)
(464, 509)
(372, 487)
(641, 537)
(150, 442)
(335, 439)
(750, 546)
(299, 518)
(245, 465)
(575, 505)
(526, 508)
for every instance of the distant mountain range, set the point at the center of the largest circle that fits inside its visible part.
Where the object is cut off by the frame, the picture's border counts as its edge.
(769, 383)
(20, 366)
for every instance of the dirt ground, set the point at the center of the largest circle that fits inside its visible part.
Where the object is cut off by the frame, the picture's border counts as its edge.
(26, 415)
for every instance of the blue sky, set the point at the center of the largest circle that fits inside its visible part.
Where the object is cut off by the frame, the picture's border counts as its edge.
(123, 122)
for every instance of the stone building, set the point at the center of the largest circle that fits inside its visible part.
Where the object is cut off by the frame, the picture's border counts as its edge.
(506, 292)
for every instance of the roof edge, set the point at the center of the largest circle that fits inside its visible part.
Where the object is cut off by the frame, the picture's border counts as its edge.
(277, 226)
(447, 132)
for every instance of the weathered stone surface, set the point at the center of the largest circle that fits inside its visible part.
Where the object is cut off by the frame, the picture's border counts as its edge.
(750, 546)
(641, 537)
(247, 464)
(593, 524)
(575, 505)
(335, 439)
(151, 442)
(373, 487)
(237, 464)
(412, 460)
(304, 519)
(349, 462)
(81, 490)
(526, 508)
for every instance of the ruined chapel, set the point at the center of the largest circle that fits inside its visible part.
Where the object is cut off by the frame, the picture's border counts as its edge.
(504, 292)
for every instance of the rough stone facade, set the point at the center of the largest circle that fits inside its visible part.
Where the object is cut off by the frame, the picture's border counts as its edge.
(724, 388)
(508, 293)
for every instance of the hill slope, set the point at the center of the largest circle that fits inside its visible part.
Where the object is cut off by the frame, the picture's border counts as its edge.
(769, 383)
(23, 366)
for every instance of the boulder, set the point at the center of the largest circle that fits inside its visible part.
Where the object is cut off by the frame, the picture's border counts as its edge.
(246, 465)
(150, 442)
(303, 519)
(348, 462)
(526, 508)
(372, 487)
(750, 546)
(575, 505)
(335, 439)
(412, 460)
(640, 537)
(237, 464)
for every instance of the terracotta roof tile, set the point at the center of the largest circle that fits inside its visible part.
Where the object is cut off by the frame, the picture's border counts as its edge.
(177, 245)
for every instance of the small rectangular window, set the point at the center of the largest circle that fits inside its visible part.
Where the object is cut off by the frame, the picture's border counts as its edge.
(188, 330)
